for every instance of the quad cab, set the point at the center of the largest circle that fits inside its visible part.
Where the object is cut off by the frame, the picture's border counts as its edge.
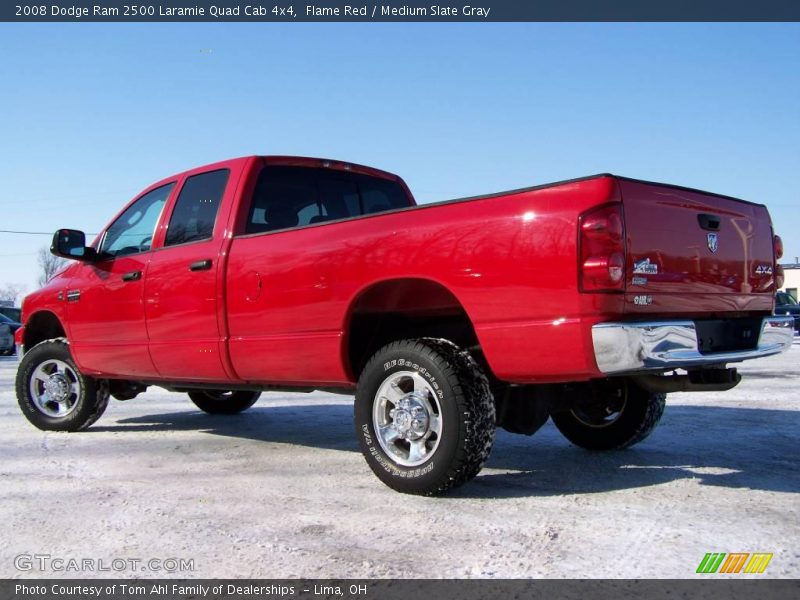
(585, 301)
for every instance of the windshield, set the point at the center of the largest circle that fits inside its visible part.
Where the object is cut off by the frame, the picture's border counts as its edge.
(14, 314)
(784, 298)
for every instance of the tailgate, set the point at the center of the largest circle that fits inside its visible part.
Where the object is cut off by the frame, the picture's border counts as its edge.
(695, 253)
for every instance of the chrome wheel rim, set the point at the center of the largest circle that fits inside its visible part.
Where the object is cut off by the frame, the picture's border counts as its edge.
(407, 418)
(55, 388)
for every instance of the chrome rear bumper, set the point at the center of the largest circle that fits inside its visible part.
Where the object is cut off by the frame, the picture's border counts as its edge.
(666, 345)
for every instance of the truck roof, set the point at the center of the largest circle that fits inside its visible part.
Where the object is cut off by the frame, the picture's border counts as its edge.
(307, 161)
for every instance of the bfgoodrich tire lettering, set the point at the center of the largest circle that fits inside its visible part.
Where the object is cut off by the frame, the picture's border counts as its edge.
(53, 394)
(456, 427)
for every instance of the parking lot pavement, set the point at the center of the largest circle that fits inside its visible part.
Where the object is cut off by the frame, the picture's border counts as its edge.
(282, 491)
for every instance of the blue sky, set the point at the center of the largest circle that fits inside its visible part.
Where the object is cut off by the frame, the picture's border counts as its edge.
(92, 113)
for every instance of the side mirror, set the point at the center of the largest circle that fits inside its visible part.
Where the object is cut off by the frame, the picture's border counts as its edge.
(71, 243)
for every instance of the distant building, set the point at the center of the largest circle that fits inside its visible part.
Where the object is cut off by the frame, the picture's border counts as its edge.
(791, 282)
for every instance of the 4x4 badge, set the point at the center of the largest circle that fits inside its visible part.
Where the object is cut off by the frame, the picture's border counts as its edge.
(713, 242)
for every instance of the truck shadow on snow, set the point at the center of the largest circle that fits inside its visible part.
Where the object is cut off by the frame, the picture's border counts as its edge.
(721, 446)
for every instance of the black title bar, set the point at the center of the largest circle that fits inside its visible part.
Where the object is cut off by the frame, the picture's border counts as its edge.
(289, 11)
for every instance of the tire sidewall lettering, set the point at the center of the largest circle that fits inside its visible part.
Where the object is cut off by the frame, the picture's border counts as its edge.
(402, 364)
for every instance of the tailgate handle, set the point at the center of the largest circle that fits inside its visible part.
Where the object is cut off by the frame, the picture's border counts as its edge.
(709, 222)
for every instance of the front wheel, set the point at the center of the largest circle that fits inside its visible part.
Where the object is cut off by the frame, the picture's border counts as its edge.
(611, 415)
(217, 402)
(53, 394)
(424, 416)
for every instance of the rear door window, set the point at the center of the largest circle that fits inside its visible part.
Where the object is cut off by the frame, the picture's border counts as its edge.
(287, 197)
(196, 209)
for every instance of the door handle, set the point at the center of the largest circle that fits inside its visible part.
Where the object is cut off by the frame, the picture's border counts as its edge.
(200, 265)
(132, 276)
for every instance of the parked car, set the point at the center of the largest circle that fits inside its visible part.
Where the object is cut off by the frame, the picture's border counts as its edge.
(13, 326)
(785, 304)
(6, 340)
(15, 314)
(585, 301)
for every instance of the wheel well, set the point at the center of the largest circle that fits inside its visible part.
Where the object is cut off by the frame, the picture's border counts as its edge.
(42, 326)
(405, 309)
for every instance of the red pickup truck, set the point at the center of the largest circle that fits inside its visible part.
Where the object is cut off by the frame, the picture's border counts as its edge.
(584, 301)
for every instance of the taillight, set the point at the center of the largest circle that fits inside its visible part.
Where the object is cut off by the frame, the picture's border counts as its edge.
(777, 247)
(779, 278)
(602, 249)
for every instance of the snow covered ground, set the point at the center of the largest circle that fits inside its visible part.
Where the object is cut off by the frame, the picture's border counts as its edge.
(282, 491)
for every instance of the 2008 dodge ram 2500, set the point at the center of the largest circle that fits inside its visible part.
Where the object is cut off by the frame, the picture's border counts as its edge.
(584, 301)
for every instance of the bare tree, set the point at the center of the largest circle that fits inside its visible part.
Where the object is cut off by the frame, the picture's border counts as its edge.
(11, 292)
(50, 265)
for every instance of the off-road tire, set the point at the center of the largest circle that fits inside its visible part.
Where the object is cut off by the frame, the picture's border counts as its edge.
(219, 402)
(90, 403)
(637, 420)
(467, 414)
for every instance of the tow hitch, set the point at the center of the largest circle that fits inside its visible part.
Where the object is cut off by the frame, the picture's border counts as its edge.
(696, 380)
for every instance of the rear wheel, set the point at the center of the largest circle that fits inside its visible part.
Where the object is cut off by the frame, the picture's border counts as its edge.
(614, 414)
(424, 416)
(219, 402)
(53, 394)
